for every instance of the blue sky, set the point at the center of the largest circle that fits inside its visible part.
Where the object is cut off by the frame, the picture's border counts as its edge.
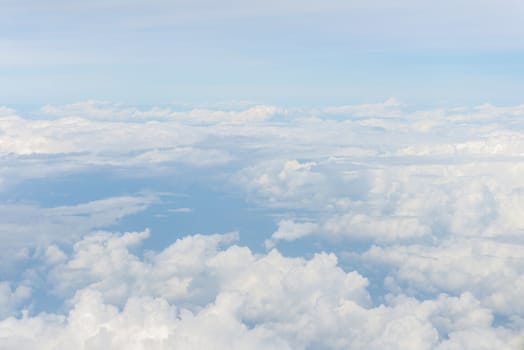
(294, 53)
(261, 175)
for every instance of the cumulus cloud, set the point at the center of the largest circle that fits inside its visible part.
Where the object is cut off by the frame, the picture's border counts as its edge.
(29, 227)
(458, 265)
(281, 183)
(424, 207)
(289, 230)
(232, 298)
(61, 139)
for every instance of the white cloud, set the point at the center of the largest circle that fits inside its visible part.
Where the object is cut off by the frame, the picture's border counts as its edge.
(184, 271)
(353, 227)
(389, 228)
(389, 108)
(11, 298)
(355, 172)
(437, 193)
(107, 111)
(281, 183)
(54, 255)
(180, 210)
(490, 270)
(289, 230)
(254, 301)
(29, 227)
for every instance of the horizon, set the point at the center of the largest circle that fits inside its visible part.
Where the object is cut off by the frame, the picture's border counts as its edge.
(261, 175)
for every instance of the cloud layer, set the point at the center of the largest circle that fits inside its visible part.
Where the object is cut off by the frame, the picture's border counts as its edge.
(194, 294)
(394, 228)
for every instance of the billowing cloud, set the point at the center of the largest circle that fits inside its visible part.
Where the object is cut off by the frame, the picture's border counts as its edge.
(458, 265)
(194, 294)
(405, 228)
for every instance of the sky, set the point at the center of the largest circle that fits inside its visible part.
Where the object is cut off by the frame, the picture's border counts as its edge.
(261, 175)
(286, 53)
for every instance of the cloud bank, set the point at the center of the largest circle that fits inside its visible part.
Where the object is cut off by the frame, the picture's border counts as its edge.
(194, 294)
(393, 228)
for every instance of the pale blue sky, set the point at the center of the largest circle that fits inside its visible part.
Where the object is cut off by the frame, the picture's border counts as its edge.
(295, 53)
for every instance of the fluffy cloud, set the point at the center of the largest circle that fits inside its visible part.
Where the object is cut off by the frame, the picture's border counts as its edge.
(11, 298)
(257, 301)
(403, 201)
(29, 227)
(193, 269)
(289, 230)
(285, 183)
(60, 140)
(426, 205)
(490, 270)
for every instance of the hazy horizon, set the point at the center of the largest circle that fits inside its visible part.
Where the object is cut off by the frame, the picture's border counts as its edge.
(261, 175)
